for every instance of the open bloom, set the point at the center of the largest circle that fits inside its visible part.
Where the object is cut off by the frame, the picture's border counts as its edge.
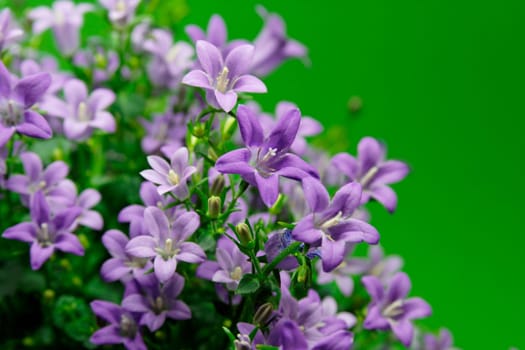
(82, 113)
(443, 341)
(123, 327)
(9, 32)
(216, 34)
(224, 78)
(372, 171)
(390, 308)
(16, 100)
(173, 176)
(266, 158)
(47, 232)
(157, 302)
(167, 243)
(65, 18)
(121, 12)
(331, 225)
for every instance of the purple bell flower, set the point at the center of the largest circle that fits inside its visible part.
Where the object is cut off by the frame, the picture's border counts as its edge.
(372, 171)
(123, 326)
(16, 100)
(390, 309)
(330, 225)
(47, 232)
(443, 341)
(167, 243)
(121, 12)
(224, 78)
(9, 31)
(265, 159)
(89, 218)
(156, 302)
(100, 63)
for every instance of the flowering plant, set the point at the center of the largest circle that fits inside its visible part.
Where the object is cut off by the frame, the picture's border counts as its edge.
(163, 208)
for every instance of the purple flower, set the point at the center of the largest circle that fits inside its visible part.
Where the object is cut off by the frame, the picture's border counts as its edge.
(89, 218)
(82, 113)
(230, 267)
(47, 232)
(216, 34)
(16, 100)
(266, 158)
(122, 328)
(272, 46)
(121, 265)
(121, 12)
(165, 129)
(330, 225)
(224, 78)
(173, 176)
(98, 62)
(441, 342)
(47, 64)
(158, 302)
(65, 19)
(372, 171)
(9, 31)
(167, 244)
(49, 180)
(389, 309)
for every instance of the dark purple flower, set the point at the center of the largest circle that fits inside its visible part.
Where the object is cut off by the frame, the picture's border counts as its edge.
(123, 326)
(390, 309)
(16, 100)
(224, 78)
(331, 225)
(121, 12)
(272, 46)
(167, 243)
(156, 302)
(65, 18)
(173, 176)
(443, 341)
(82, 113)
(121, 265)
(266, 158)
(372, 171)
(230, 267)
(9, 31)
(47, 232)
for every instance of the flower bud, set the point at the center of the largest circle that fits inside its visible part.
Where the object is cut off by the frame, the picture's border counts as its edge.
(214, 207)
(243, 233)
(263, 314)
(228, 128)
(217, 185)
(278, 205)
(303, 274)
(212, 155)
(355, 104)
(198, 130)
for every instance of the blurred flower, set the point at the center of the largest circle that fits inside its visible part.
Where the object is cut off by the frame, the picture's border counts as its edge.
(443, 341)
(121, 12)
(99, 63)
(216, 34)
(223, 78)
(9, 31)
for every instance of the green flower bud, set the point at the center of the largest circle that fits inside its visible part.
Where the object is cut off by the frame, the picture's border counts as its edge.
(303, 274)
(214, 207)
(228, 128)
(278, 205)
(243, 233)
(212, 155)
(262, 315)
(217, 185)
(198, 130)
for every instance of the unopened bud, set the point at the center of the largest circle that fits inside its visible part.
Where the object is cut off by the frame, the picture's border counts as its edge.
(192, 142)
(263, 314)
(355, 104)
(198, 130)
(217, 185)
(48, 295)
(58, 154)
(212, 155)
(243, 233)
(278, 205)
(214, 207)
(100, 61)
(303, 274)
(228, 128)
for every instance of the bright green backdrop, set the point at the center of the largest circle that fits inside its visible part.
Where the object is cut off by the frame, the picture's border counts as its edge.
(442, 84)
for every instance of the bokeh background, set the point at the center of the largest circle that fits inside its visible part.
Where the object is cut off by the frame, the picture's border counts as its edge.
(442, 84)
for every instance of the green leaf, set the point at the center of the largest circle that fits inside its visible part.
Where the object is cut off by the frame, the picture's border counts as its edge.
(248, 284)
(74, 316)
(266, 347)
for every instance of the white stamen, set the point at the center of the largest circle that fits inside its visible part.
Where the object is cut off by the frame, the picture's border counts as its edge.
(368, 176)
(173, 177)
(172, 54)
(394, 309)
(332, 222)
(222, 81)
(82, 112)
(236, 274)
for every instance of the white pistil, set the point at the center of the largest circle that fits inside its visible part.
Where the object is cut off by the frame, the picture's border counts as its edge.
(173, 177)
(332, 222)
(222, 80)
(120, 6)
(394, 309)
(272, 152)
(82, 112)
(236, 274)
(368, 176)
(172, 54)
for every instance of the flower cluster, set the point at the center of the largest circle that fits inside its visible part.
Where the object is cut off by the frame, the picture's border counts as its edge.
(242, 223)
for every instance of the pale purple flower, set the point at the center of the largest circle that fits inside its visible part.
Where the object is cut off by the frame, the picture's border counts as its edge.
(121, 265)
(216, 34)
(224, 78)
(102, 64)
(167, 243)
(165, 129)
(65, 18)
(47, 64)
(9, 31)
(120, 12)
(331, 225)
(377, 264)
(83, 112)
(88, 217)
(230, 267)
(443, 341)
(139, 35)
(390, 308)
(170, 60)
(156, 302)
(123, 326)
(266, 158)
(329, 307)
(16, 99)
(372, 171)
(49, 181)
(47, 231)
(272, 46)
(171, 177)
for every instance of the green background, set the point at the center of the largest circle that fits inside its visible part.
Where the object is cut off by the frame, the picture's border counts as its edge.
(442, 84)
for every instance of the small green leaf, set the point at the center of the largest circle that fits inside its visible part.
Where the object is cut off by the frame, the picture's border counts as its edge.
(266, 347)
(248, 284)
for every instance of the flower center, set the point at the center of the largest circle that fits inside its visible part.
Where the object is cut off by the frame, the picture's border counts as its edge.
(37, 186)
(120, 6)
(394, 309)
(128, 327)
(168, 251)
(236, 274)
(172, 54)
(82, 112)
(332, 222)
(173, 177)
(60, 18)
(365, 179)
(262, 164)
(11, 113)
(158, 305)
(43, 236)
(222, 81)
